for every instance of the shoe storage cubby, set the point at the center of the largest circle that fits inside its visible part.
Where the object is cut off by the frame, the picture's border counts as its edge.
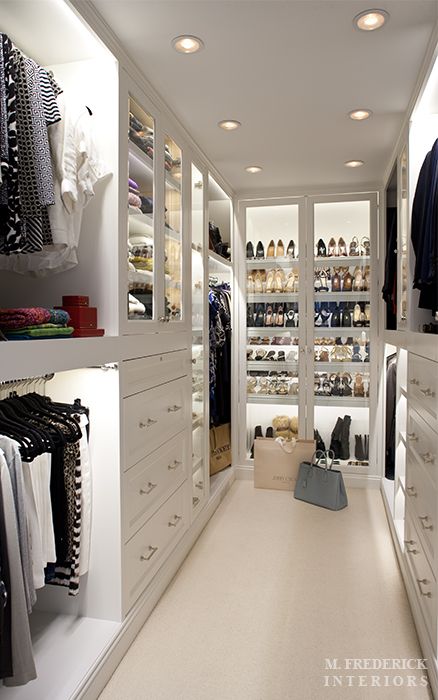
(308, 322)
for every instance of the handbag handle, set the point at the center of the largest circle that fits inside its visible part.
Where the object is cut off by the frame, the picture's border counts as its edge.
(282, 442)
(327, 455)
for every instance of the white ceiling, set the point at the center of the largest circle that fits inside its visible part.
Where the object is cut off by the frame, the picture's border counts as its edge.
(290, 72)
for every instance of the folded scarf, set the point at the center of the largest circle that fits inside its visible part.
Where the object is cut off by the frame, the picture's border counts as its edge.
(132, 183)
(134, 200)
(41, 332)
(147, 205)
(21, 317)
(59, 317)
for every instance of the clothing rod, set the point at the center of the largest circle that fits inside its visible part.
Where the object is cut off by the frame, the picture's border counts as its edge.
(12, 382)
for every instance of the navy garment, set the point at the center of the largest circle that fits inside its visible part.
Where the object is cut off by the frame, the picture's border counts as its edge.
(220, 355)
(424, 232)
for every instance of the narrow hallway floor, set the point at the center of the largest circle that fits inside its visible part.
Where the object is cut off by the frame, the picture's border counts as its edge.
(272, 590)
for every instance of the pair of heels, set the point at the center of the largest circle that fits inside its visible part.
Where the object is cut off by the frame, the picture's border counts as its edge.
(336, 249)
(259, 252)
(279, 252)
(274, 318)
(361, 386)
(342, 281)
(361, 317)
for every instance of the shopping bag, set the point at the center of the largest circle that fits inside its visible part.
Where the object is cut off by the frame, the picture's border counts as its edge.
(319, 484)
(220, 448)
(276, 462)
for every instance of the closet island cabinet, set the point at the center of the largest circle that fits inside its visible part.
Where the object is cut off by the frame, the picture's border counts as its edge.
(141, 251)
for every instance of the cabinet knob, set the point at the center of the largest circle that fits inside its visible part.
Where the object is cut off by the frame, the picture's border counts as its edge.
(412, 551)
(424, 582)
(411, 490)
(149, 488)
(199, 485)
(148, 423)
(412, 437)
(152, 551)
(428, 458)
(409, 542)
(195, 501)
(424, 519)
(175, 521)
(175, 464)
(174, 408)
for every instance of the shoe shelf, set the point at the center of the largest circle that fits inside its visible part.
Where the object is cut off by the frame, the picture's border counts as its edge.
(272, 296)
(289, 399)
(338, 332)
(352, 401)
(271, 263)
(272, 330)
(218, 262)
(342, 296)
(341, 366)
(342, 260)
(271, 365)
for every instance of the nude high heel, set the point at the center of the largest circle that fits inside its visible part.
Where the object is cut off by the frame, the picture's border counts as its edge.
(270, 253)
(280, 249)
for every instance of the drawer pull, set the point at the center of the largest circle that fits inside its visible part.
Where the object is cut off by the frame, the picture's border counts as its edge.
(424, 582)
(412, 551)
(428, 458)
(427, 392)
(195, 501)
(193, 361)
(149, 489)
(414, 381)
(409, 542)
(424, 519)
(175, 521)
(411, 491)
(175, 464)
(152, 551)
(412, 437)
(199, 485)
(148, 423)
(174, 408)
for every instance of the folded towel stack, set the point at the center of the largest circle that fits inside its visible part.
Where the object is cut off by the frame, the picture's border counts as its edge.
(34, 322)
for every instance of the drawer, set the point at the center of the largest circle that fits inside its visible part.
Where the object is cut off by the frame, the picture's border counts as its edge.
(147, 550)
(148, 372)
(423, 578)
(199, 491)
(152, 418)
(423, 387)
(421, 496)
(423, 443)
(151, 481)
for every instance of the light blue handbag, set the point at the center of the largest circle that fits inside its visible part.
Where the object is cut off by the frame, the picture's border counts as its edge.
(319, 484)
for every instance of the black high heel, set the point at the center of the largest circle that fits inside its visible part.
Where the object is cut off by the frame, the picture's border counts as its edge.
(321, 249)
(260, 316)
(260, 251)
(291, 249)
(249, 250)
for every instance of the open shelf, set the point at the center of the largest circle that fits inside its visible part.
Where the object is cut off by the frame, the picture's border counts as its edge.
(271, 263)
(271, 365)
(342, 366)
(272, 296)
(342, 296)
(148, 164)
(272, 398)
(353, 401)
(336, 332)
(342, 260)
(217, 260)
(272, 330)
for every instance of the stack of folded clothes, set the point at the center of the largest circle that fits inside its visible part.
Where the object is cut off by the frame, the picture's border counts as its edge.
(141, 135)
(133, 196)
(35, 323)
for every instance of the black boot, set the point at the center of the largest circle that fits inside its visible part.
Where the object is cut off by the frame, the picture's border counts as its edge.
(359, 451)
(335, 442)
(345, 438)
(257, 433)
(270, 432)
(366, 450)
(319, 441)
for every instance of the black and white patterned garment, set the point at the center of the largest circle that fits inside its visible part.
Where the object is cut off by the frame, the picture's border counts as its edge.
(3, 128)
(11, 240)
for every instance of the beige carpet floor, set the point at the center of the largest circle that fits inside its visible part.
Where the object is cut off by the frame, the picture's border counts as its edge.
(272, 589)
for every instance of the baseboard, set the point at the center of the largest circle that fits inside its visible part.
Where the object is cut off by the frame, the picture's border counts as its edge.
(105, 666)
(420, 625)
(359, 481)
(246, 473)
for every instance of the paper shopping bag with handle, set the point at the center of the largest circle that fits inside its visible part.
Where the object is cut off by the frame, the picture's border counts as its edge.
(276, 462)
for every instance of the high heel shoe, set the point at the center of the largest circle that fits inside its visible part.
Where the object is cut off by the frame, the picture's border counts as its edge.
(317, 283)
(336, 318)
(249, 315)
(279, 321)
(290, 283)
(367, 313)
(249, 250)
(270, 278)
(336, 280)
(290, 252)
(366, 279)
(258, 284)
(270, 253)
(346, 318)
(332, 248)
(356, 315)
(357, 279)
(365, 246)
(354, 246)
(268, 316)
(278, 281)
(347, 281)
(342, 248)
(260, 316)
(280, 249)
(358, 388)
(260, 251)
(321, 250)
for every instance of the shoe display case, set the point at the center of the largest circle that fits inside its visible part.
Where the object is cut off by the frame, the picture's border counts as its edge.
(342, 321)
(273, 328)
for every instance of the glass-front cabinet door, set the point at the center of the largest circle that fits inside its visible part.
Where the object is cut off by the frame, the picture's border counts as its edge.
(273, 321)
(172, 230)
(141, 243)
(200, 465)
(343, 238)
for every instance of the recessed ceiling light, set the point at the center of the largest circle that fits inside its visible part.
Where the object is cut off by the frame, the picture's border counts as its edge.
(229, 124)
(253, 169)
(360, 114)
(368, 20)
(353, 163)
(187, 43)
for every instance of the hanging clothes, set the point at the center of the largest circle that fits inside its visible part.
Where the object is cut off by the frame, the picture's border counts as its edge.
(424, 232)
(391, 393)
(389, 289)
(219, 299)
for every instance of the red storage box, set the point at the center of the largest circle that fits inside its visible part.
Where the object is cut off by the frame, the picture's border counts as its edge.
(77, 300)
(87, 332)
(81, 316)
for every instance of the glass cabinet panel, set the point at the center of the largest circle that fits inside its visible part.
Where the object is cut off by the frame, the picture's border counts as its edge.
(140, 244)
(342, 320)
(199, 466)
(172, 231)
(272, 320)
(403, 242)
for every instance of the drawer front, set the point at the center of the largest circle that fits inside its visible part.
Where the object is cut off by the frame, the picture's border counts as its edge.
(148, 372)
(423, 578)
(150, 482)
(152, 418)
(421, 496)
(423, 387)
(423, 443)
(147, 550)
